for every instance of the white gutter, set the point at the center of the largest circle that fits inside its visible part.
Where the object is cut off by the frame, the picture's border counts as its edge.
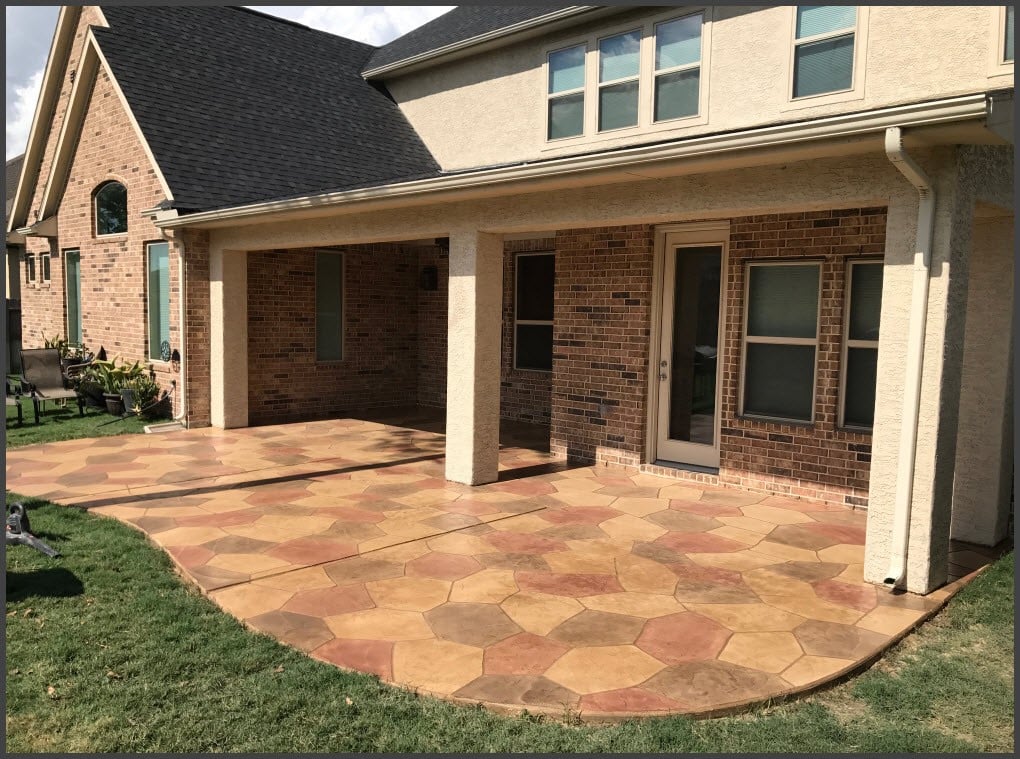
(505, 31)
(915, 352)
(833, 127)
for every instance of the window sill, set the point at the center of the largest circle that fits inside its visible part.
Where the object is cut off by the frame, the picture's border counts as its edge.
(113, 237)
(776, 421)
(825, 98)
(865, 431)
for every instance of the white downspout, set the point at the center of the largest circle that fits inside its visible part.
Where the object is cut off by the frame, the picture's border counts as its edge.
(915, 351)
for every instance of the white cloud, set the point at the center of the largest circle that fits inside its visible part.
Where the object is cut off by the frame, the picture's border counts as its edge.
(374, 24)
(20, 112)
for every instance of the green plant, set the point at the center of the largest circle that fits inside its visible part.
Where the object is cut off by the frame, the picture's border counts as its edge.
(110, 377)
(146, 397)
(70, 351)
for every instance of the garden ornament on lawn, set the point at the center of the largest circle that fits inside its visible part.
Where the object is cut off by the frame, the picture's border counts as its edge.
(19, 531)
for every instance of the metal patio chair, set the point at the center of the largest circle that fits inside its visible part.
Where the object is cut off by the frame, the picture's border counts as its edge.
(41, 372)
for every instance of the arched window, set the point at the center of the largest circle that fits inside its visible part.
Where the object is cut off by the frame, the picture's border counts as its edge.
(111, 209)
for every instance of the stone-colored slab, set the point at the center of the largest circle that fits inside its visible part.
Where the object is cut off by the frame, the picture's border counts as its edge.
(602, 668)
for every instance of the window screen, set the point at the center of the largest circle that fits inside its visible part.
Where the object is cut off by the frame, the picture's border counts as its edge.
(329, 268)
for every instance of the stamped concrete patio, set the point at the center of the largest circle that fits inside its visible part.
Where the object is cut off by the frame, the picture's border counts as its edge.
(604, 592)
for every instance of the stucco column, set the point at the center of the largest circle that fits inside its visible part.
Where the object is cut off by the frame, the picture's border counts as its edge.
(984, 454)
(228, 338)
(473, 357)
(931, 502)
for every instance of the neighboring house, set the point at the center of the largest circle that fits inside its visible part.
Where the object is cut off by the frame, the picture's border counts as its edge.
(13, 251)
(763, 246)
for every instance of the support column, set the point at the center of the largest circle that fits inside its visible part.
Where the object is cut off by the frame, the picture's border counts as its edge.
(984, 455)
(228, 338)
(473, 357)
(931, 500)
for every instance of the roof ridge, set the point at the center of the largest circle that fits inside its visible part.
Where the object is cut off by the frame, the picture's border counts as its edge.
(280, 20)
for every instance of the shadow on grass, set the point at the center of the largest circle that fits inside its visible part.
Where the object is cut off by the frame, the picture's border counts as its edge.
(55, 582)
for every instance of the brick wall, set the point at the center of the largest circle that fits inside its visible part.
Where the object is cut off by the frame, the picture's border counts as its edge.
(379, 368)
(601, 338)
(525, 395)
(113, 268)
(197, 348)
(818, 460)
(600, 343)
(432, 329)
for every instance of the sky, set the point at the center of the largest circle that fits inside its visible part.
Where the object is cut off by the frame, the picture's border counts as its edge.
(30, 31)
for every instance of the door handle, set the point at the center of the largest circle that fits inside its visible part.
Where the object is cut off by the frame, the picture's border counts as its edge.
(662, 371)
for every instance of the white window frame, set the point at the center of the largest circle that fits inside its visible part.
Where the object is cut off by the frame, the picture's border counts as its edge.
(600, 85)
(857, 73)
(746, 339)
(550, 96)
(646, 81)
(998, 65)
(45, 268)
(95, 210)
(848, 343)
(67, 296)
(530, 322)
(656, 72)
(30, 270)
(343, 305)
(154, 355)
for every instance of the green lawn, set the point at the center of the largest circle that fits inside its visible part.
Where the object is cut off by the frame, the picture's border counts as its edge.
(107, 650)
(56, 423)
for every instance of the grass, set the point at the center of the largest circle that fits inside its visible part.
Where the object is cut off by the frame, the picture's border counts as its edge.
(108, 650)
(57, 423)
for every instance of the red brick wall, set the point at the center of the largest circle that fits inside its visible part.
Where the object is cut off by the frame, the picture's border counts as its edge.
(525, 395)
(432, 331)
(197, 348)
(818, 460)
(600, 343)
(603, 303)
(379, 368)
(113, 269)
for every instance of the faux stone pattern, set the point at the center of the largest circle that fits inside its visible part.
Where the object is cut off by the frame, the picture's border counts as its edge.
(579, 588)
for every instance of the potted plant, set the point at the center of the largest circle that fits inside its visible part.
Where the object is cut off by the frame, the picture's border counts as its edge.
(146, 399)
(110, 379)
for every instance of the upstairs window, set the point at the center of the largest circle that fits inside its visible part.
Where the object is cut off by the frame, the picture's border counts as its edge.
(619, 67)
(781, 340)
(677, 67)
(44, 267)
(860, 346)
(111, 209)
(29, 269)
(1007, 51)
(533, 311)
(823, 54)
(566, 92)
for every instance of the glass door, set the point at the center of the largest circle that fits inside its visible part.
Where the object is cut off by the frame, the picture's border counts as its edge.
(689, 366)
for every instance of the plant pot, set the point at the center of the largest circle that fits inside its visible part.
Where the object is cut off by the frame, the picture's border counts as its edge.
(128, 396)
(114, 403)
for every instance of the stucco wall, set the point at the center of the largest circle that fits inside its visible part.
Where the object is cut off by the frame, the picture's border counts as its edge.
(491, 107)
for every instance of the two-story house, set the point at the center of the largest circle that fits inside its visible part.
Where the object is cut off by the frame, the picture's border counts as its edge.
(762, 246)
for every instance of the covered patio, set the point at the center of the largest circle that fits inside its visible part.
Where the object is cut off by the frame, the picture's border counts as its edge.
(557, 587)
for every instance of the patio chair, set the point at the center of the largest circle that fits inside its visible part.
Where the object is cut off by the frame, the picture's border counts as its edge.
(40, 369)
(13, 398)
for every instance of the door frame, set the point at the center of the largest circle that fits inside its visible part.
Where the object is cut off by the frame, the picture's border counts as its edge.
(666, 235)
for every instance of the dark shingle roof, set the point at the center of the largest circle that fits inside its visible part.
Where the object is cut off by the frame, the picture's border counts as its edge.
(11, 185)
(239, 107)
(462, 23)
